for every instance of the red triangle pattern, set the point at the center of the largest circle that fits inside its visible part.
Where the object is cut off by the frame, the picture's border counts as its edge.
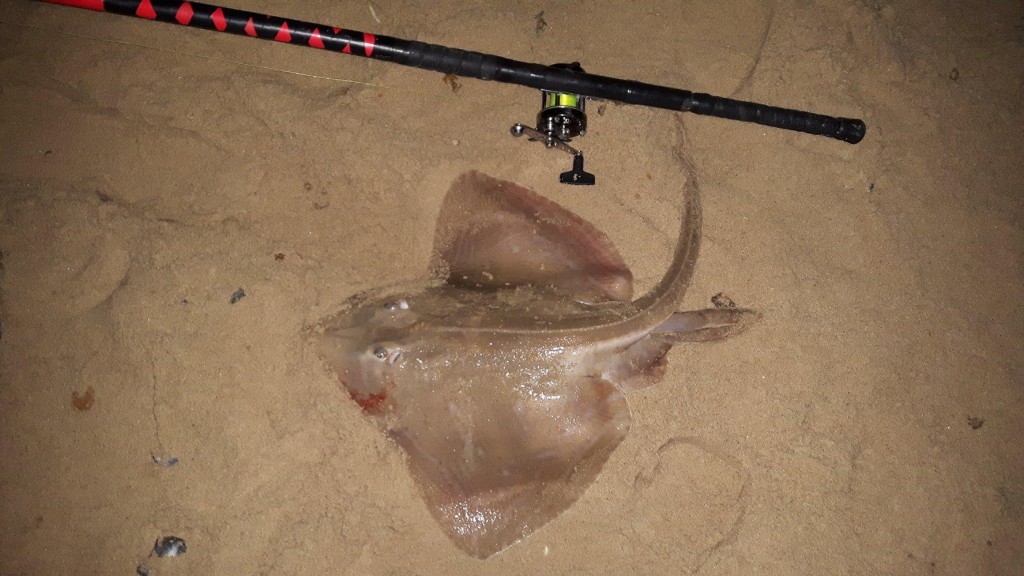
(283, 35)
(185, 13)
(250, 28)
(145, 10)
(218, 19)
(96, 5)
(315, 40)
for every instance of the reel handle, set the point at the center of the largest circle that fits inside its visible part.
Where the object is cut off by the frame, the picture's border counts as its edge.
(577, 176)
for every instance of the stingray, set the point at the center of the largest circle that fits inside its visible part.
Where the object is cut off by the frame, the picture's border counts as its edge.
(503, 379)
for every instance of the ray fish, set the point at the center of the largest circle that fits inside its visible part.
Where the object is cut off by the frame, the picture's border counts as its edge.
(504, 379)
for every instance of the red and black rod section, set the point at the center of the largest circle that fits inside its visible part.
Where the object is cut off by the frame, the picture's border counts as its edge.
(472, 64)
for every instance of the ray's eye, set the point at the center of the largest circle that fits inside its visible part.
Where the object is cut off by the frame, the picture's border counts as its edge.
(388, 355)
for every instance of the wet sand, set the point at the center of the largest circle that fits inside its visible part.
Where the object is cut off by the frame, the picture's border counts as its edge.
(870, 424)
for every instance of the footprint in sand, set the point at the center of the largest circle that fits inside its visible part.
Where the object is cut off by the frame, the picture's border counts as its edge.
(690, 502)
(101, 268)
(61, 261)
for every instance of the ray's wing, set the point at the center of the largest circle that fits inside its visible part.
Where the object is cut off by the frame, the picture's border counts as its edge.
(491, 477)
(493, 234)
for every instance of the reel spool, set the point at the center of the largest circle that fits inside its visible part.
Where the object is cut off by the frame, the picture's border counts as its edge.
(562, 117)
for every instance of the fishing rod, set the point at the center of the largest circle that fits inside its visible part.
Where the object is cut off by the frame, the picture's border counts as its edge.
(564, 87)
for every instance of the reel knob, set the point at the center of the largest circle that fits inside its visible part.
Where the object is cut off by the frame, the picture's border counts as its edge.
(562, 117)
(577, 175)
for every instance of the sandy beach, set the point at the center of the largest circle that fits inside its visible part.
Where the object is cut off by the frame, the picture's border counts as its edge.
(179, 210)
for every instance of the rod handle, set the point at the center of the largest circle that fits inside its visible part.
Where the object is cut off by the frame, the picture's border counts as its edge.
(465, 63)
(846, 129)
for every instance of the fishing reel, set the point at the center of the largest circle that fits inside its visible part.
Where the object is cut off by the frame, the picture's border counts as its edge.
(562, 117)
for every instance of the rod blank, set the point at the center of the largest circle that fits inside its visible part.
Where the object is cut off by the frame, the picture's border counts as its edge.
(472, 64)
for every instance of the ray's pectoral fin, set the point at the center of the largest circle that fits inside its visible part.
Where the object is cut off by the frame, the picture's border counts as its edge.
(493, 482)
(644, 362)
(495, 234)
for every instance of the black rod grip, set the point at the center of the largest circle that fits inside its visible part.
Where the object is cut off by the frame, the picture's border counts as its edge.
(447, 60)
(846, 129)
